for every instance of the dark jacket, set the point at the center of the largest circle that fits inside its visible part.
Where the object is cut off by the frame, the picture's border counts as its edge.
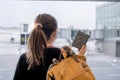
(37, 73)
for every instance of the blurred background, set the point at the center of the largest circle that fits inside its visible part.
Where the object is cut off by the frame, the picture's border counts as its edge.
(99, 19)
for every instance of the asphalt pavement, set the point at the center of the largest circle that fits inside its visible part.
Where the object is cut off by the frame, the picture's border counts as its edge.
(104, 67)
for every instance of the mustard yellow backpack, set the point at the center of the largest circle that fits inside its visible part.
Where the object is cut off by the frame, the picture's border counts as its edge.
(72, 67)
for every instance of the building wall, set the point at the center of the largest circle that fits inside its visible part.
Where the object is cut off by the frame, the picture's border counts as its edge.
(70, 33)
(108, 16)
(112, 33)
(64, 33)
(108, 19)
(109, 47)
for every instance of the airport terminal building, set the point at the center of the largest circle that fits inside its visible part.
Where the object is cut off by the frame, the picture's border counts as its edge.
(107, 33)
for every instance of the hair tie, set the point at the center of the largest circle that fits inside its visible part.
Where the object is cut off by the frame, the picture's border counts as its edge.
(39, 25)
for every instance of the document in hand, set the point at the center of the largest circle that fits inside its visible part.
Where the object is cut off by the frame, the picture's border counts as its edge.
(80, 39)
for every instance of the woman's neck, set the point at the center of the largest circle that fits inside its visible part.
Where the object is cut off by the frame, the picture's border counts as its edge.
(49, 44)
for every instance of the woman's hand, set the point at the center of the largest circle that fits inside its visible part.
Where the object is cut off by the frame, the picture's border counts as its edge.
(82, 50)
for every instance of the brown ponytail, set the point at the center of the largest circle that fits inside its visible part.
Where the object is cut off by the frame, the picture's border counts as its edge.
(45, 25)
(36, 46)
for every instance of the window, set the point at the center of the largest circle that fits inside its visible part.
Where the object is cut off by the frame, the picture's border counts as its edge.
(118, 33)
(25, 28)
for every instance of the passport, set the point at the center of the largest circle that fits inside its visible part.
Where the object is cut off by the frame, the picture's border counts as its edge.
(80, 40)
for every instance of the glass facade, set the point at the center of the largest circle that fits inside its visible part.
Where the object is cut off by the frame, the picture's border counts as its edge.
(108, 18)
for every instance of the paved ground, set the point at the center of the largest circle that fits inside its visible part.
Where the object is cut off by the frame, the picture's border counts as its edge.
(9, 55)
(103, 66)
(7, 66)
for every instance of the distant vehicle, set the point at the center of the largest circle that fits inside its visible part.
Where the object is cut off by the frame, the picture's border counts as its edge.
(60, 42)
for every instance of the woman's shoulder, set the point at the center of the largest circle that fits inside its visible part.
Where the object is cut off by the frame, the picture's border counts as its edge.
(53, 50)
(23, 56)
(23, 59)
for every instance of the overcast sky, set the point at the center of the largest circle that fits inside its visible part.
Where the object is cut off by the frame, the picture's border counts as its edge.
(80, 14)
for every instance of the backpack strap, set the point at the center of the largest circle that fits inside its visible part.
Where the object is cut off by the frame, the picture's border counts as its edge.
(66, 52)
